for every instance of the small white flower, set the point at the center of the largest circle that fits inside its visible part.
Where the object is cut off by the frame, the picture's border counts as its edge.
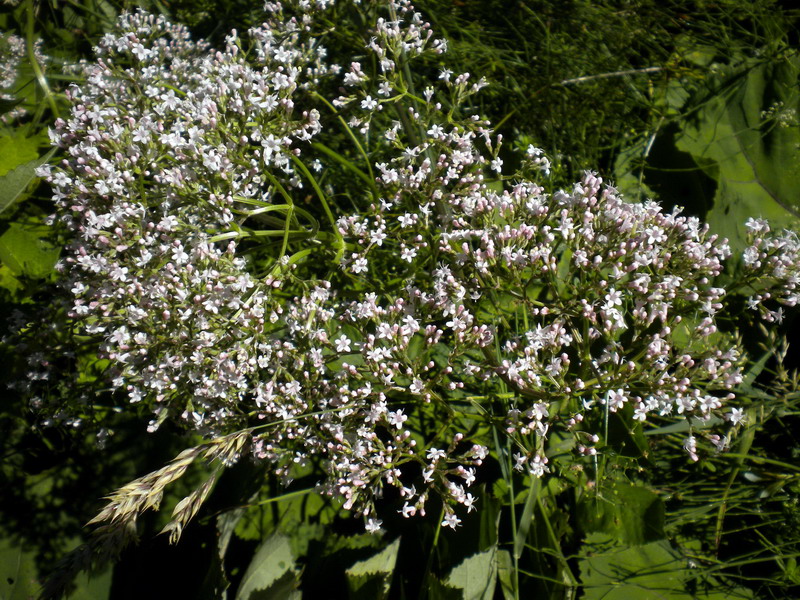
(736, 416)
(408, 254)
(451, 520)
(397, 418)
(343, 344)
(369, 103)
(359, 265)
(373, 525)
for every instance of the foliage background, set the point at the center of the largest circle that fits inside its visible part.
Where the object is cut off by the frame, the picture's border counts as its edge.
(692, 103)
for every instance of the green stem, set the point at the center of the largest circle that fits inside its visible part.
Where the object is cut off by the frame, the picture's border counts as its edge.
(349, 132)
(321, 195)
(429, 565)
(37, 68)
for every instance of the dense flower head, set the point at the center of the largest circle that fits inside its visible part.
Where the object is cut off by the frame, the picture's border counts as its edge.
(464, 293)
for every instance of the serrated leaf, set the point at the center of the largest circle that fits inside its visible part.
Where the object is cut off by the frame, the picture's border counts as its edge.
(438, 590)
(272, 574)
(476, 576)
(25, 250)
(372, 578)
(359, 541)
(14, 182)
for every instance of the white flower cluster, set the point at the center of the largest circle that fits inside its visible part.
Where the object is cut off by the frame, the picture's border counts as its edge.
(13, 53)
(166, 146)
(474, 302)
(771, 269)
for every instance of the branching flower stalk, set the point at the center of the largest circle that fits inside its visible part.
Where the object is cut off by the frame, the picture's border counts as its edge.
(459, 293)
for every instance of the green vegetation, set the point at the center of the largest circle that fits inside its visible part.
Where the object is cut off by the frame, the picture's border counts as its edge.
(693, 104)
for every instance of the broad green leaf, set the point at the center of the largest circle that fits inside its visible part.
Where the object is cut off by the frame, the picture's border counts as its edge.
(25, 250)
(371, 579)
(8, 105)
(748, 133)
(505, 574)
(336, 543)
(438, 590)
(630, 514)
(92, 587)
(13, 183)
(476, 576)
(18, 578)
(9, 282)
(652, 167)
(16, 150)
(489, 514)
(298, 514)
(272, 574)
(613, 572)
(654, 571)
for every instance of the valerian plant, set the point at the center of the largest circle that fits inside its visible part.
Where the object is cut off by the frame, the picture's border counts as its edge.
(235, 297)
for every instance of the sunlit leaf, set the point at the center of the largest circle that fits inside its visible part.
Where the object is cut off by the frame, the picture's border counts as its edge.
(610, 571)
(272, 574)
(371, 579)
(16, 150)
(749, 133)
(476, 576)
(13, 183)
(25, 249)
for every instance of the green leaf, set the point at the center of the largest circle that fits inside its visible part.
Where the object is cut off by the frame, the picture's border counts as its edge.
(526, 519)
(16, 150)
(505, 573)
(372, 578)
(8, 105)
(9, 282)
(437, 590)
(630, 514)
(18, 579)
(476, 576)
(613, 572)
(686, 425)
(272, 574)
(13, 183)
(755, 155)
(92, 587)
(489, 519)
(25, 250)
(226, 525)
